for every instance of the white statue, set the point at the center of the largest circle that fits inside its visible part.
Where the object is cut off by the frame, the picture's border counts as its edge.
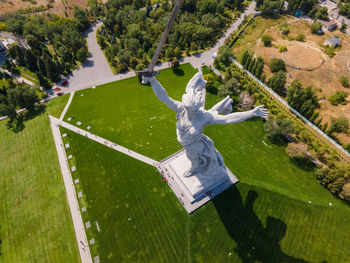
(191, 117)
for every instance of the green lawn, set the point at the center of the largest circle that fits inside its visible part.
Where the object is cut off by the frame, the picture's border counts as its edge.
(140, 220)
(266, 217)
(35, 221)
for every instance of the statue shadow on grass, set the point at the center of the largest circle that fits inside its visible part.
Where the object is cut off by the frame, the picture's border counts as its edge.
(255, 242)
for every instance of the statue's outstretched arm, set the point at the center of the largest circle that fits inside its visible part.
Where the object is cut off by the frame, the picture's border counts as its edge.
(162, 95)
(235, 117)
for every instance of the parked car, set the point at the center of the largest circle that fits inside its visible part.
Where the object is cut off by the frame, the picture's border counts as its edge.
(60, 93)
(65, 83)
(57, 89)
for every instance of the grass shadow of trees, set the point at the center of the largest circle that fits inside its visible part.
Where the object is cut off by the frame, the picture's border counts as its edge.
(18, 124)
(255, 243)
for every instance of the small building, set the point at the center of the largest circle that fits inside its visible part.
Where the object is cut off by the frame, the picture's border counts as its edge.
(332, 42)
(330, 25)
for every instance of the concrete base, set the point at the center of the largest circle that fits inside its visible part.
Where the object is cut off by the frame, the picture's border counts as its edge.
(191, 191)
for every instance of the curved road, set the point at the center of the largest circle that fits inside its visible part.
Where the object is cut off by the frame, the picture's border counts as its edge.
(96, 71)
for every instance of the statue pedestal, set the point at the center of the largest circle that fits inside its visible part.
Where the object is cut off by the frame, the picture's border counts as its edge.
(192, 192)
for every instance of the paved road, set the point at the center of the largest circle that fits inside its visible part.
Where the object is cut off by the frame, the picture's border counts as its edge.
(94, 69)
(97, 71)
(71, 194)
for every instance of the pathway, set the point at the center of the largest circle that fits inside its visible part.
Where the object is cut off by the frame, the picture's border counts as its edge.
(107, 143)
(67, 105)
(97, 71)
(94, 70)
(71, 194)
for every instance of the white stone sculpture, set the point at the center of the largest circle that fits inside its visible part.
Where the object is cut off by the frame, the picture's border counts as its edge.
(207, 163)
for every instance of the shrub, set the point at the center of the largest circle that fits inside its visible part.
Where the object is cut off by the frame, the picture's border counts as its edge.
(267, 39)
(340, 124)
(277, 64)
(316, 27)
(344, 81)
(277, 129)
(282, 49)
(338, 98)
(297, 150)
(300, 37)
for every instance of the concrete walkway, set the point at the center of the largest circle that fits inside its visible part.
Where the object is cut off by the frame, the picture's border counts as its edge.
(71, 194)
(107, 143)
(67, 105)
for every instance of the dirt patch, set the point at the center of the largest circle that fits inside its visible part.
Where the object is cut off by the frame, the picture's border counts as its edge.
(316, 67)
(60, 7)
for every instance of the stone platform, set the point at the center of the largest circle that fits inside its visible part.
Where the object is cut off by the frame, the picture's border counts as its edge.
(191, 191)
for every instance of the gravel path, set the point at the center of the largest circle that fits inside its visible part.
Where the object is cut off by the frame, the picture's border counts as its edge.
(71, 194)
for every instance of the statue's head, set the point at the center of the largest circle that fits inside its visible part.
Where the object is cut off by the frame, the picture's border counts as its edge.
(192, 99)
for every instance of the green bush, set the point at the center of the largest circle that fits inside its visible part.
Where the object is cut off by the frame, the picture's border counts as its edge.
(267, 39)
(277, 64)
(315, 27)
(282, 49)
(300, 37)
(344, 81)
(338, 98)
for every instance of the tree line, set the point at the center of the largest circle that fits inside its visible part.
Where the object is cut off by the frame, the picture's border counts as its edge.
(55, 43)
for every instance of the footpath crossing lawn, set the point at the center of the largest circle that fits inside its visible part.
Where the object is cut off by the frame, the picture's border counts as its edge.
(130, 114)
(267, 217)
(140, 219)
(35, 221)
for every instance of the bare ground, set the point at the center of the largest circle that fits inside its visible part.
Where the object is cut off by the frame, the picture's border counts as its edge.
(59, 6)
(308, 55)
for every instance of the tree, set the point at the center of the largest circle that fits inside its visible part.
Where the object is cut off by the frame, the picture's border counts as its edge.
(277, 81)
(30, 61)
(23, 96)
(177, 52)
(169, 53)
(224, 55)
(340, 124)
(316, 27)
(344, 81)
(267, 40)
(175, 64)
(12, 50)
(277, 64)
(302, 99)
(343, 27)
(210, 80)
(277, 129)
(339, 97)
(230, 87)
(82, 54)
(8, 110)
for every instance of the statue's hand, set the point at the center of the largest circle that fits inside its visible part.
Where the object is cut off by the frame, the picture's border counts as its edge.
(260, 111)
(145, 80)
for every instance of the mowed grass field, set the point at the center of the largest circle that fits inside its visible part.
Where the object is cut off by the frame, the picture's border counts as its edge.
(35, 221)
(267, 217)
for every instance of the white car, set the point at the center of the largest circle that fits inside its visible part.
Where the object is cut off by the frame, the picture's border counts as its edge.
(214, 55)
